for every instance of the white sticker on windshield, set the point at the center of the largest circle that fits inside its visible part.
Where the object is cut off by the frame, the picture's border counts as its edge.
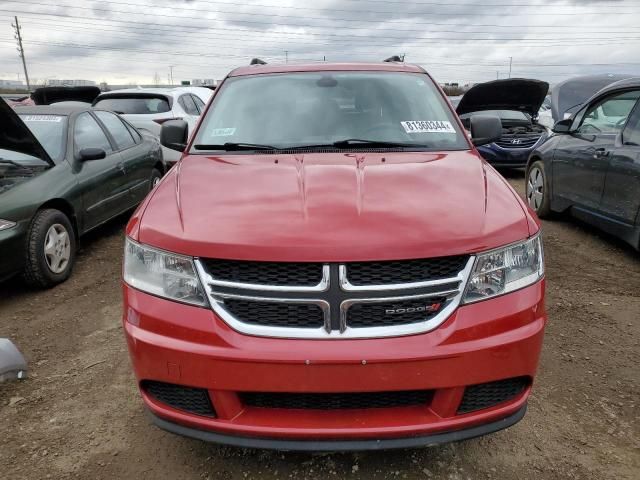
(223, 132)
(41, 118)
(427, 126)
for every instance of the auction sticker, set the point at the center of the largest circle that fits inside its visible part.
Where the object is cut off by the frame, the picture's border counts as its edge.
(223, 132)
(41, 118)
(427, 126)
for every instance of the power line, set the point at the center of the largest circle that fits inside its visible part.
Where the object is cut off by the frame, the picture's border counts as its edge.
(465, 39)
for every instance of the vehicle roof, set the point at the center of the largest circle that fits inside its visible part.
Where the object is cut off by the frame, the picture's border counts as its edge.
(626, 83)
(53, 109)
(325, 67)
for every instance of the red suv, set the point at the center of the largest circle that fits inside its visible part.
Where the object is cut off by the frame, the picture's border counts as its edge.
(332, 266)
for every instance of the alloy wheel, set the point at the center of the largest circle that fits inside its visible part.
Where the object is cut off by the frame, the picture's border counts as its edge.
(535, 188)
(57, 248)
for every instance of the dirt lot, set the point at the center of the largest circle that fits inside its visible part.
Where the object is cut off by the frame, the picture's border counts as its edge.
(79, 414)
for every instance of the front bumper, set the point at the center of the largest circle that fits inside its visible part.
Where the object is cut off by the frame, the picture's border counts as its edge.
(503, 157)
(341, 445)
(482, 342)
(12, 246)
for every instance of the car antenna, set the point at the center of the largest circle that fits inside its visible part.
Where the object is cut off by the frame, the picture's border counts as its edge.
(394, 58)
(257, 61)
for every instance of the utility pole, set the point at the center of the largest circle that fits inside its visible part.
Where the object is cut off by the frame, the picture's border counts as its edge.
(497, 75)
(286, 56)
(171, 74)
(18, 36)
(510, 63)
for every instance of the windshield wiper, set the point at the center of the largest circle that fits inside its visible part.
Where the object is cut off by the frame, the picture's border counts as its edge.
(357, 142)
(229, 146)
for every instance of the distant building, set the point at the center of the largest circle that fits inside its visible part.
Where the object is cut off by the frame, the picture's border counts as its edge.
(203, 82)
(70, 83)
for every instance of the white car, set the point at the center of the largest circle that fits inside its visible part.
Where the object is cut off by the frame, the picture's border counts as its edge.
(149, 108)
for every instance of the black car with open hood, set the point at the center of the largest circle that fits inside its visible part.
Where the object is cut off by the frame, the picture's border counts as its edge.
(516, 102)
(519, 94)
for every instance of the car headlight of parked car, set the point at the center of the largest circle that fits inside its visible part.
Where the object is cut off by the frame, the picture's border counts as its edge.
(505, 270)
(163, 274)
(6, 224)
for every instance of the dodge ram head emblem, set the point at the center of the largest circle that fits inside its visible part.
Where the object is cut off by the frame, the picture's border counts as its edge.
(434, 307)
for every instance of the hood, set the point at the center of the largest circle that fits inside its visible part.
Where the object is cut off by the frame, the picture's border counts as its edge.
(16, 136)
(331, 207)
(521, 94)
(49, 95)
(569, 95)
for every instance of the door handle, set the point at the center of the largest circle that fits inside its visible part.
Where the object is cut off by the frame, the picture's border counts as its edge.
(600, 152)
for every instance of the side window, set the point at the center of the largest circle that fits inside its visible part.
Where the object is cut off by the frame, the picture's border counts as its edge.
(631, 133)
(118, 131)
(134, 133)
(199, 103)
(187, 104)
(88, 134)
(609, 115)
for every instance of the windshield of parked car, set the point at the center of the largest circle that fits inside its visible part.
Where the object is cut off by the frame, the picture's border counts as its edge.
(50, 131)
(134, 104)
(322, 108)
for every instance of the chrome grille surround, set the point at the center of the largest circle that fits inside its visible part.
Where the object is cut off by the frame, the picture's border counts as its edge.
(334, 295)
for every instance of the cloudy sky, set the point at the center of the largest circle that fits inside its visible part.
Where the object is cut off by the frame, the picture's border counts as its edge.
(135, 41)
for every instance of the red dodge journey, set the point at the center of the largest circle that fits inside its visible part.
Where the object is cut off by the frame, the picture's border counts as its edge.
(332, 266)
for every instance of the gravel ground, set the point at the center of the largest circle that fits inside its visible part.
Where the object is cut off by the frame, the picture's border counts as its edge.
(79, 414)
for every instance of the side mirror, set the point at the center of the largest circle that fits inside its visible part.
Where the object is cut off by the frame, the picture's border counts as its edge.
(91, 153)
(485, 129)
(173, 134)
(563, 126)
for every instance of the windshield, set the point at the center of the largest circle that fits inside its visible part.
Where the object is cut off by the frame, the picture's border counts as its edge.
(321, 108)
(50, 131)
(134, 105)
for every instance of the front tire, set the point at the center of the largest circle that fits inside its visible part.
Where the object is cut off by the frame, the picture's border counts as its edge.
(538, 195)
(51, 249)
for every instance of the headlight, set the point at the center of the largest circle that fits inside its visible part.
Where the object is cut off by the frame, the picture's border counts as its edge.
(6, 224)
(504, 270)
(162, 273)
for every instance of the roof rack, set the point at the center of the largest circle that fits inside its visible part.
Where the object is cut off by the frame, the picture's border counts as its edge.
(395, 58)
(257, 61)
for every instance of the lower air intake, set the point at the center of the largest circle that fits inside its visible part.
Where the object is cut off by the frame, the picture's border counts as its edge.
(485, 395)
(188, 399)
(336, 401)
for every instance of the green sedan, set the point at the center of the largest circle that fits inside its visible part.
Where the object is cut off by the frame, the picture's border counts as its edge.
(63, 172)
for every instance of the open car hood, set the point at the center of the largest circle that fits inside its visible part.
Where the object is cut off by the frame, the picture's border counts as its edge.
(16, 136)
(569, 95)
(49, 95)
(521, 94)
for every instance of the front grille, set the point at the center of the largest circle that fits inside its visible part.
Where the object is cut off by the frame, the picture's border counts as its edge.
(485, 395)
(334, 300)
(188, 399)
(265, 273)
(362, 315)
(336, 401)
(297, 315)
(507, 141)
(404, 271)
